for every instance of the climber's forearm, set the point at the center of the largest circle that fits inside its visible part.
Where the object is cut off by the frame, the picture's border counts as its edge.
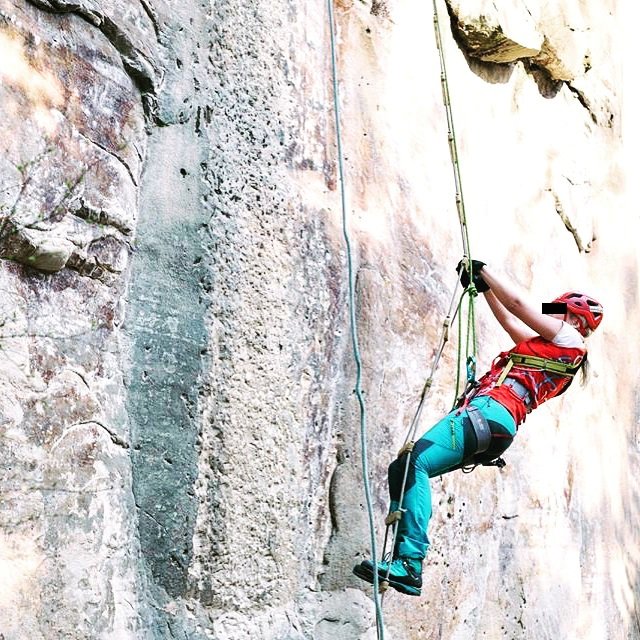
(506, 295)
(503, 316)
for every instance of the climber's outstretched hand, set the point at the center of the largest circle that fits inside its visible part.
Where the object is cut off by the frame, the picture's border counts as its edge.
(476, 266)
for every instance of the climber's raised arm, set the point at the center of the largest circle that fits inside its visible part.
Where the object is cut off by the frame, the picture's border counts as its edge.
(517, 329)
(513, 302)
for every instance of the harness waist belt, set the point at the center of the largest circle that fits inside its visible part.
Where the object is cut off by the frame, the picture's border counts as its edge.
(481, 428)
(545, 364)
(519, 389)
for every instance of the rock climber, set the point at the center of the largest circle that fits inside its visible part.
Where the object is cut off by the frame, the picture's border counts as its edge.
(549, 349)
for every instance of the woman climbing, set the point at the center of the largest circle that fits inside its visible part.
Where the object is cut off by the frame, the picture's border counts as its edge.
(549, 350)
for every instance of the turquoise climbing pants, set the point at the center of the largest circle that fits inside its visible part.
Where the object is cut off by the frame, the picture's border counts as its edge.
(440, 449)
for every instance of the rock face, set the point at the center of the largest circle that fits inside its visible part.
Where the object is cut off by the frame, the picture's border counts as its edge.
(497, 33)
(182, 455)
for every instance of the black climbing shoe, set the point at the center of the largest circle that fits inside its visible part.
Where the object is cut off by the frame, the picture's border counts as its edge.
(405, 574)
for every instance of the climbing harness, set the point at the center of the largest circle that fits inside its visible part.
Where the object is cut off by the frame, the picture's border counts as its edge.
(482, 429)
(499, 375)
(354, 332)
(543, 364)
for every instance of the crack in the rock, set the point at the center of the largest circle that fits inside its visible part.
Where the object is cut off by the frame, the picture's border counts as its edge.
(112, 154)
(567, 223)
(95, 215)
(148, 9)
(583, 101)
(115, 438)
(132, 57)
(54, 489)
(46, 336)
(53, 6)
(146, 513)
(81, 376)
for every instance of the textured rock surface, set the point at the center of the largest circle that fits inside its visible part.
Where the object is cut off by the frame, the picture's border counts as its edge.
(180, 435)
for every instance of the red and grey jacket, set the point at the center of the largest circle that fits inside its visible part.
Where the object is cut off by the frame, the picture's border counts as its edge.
(531, 373)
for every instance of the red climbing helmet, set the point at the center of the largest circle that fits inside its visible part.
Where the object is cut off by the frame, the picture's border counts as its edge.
(584, 306)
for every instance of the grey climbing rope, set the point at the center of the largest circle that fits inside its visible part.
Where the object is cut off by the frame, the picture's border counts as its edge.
(471, 349)
(354, 329)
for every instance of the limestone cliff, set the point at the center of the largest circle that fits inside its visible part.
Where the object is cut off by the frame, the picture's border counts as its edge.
(181, 454)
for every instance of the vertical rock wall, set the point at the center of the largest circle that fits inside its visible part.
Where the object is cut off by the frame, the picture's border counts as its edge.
(72, 146)
(181, 438)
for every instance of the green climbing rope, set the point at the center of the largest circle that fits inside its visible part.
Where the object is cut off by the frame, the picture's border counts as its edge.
(471, 346)
(451, 136)
(354, 329)
(471, 349)
(471, 340)
(470, 291)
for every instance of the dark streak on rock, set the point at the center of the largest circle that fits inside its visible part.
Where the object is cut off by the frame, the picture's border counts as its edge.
(167, 329)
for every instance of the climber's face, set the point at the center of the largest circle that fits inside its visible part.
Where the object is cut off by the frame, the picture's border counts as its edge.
(577, 322)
